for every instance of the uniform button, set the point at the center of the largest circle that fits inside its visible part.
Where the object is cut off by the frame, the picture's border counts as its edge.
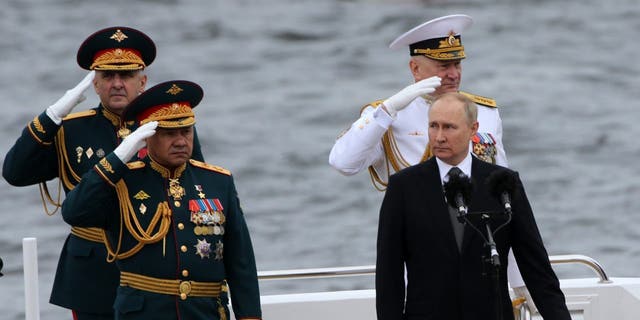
(185, 273)
(183, 248)
(180, 226)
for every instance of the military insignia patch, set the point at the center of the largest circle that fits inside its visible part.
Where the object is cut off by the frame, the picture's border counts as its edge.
(79, 153)
(203, 248)
(484, 147)
(141, 195)
(89, 153)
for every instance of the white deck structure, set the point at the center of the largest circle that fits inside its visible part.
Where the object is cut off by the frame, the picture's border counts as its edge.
(598, 298)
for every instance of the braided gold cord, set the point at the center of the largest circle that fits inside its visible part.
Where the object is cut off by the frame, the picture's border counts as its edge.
(129, 220)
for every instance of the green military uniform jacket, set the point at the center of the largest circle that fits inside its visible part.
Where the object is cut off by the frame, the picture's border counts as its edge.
(84, 281)
(206, 237)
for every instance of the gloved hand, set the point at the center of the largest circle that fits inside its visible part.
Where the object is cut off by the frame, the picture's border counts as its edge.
(402, 99)
(70, 99)
(135, 141)
(524, 292)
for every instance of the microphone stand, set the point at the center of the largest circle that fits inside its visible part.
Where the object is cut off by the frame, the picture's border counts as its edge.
(493, 259)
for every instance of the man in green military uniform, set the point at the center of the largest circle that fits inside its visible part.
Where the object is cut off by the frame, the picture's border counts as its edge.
(172, 224)
(58, 144)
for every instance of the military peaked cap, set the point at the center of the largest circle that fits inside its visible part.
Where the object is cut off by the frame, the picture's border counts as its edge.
(170, 103)
(437, 39)
(116, 48)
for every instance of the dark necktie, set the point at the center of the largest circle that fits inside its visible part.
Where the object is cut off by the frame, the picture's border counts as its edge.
(458, 228)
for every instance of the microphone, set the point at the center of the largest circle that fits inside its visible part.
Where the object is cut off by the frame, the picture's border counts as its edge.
(502, 185)
(457, 191)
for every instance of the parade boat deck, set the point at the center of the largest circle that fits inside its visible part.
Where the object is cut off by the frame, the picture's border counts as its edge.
(592, 298)
(595, 298)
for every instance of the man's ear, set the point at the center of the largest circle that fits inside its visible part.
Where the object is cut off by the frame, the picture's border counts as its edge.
(143, 82)
(415, 68)
(474, 128)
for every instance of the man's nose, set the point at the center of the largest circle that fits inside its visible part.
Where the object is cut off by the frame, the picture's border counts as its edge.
(452, 72)
(440, 136)
(180, 141)
(118, 81)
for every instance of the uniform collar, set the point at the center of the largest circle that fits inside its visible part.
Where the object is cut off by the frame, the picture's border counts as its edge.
(165, 172)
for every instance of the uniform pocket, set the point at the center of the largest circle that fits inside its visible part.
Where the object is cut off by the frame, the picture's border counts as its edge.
(79, 247)
(128, 301)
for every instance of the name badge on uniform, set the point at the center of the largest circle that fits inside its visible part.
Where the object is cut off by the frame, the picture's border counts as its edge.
(484, 147)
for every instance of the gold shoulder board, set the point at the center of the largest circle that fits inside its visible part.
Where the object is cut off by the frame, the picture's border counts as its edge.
(135, 165)
(81, 114)
(374, 104)
(487, 102)
(209, 167)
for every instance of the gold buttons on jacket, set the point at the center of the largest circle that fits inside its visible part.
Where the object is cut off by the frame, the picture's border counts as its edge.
(183, 248)
(185, 273)
(181, 226)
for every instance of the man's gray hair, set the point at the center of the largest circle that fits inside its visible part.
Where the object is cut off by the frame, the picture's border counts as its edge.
(470, 108)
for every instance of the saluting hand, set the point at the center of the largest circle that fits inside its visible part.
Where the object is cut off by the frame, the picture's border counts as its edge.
(70, 99)
(402, 99)
(135, 141)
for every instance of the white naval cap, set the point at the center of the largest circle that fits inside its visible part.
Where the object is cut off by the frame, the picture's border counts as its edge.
(437, 39)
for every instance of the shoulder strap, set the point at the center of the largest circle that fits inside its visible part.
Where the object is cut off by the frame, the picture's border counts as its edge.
(487, 102)
(209, 167)
(80, 114)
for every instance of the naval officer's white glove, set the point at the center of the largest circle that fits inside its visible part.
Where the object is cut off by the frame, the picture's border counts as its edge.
(524, 292)
(402, 99)
(135, 141)
(70, 99)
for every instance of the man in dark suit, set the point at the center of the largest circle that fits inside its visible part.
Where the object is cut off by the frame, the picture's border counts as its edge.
(447, 276)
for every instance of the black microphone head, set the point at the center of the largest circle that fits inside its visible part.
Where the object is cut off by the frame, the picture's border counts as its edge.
(501, 180)
(458, 184)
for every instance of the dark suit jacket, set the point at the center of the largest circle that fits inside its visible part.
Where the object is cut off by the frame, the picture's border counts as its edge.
(443, 282)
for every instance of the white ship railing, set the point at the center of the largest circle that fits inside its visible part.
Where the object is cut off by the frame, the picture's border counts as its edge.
(366, 270)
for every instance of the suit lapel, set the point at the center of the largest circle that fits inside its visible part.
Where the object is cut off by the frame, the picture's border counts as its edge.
(438, 212)
(477, 173)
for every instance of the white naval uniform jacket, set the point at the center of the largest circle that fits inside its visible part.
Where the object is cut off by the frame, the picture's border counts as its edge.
(361, 145)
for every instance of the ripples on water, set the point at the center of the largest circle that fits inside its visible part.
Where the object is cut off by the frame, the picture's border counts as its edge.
(282, 80)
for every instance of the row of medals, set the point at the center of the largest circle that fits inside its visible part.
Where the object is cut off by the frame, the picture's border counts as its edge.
(213, 222)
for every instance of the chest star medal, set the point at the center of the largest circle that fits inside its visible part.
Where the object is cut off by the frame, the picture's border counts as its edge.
(203, 248)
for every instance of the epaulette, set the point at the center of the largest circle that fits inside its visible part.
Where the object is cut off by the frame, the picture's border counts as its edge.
(487, 102)
(135, 165)
(81, 114)
(209, 167)
(374, 104)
